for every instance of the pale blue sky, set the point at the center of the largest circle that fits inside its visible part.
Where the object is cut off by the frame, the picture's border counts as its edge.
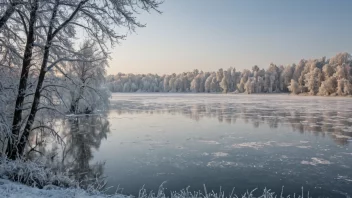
(213, 34)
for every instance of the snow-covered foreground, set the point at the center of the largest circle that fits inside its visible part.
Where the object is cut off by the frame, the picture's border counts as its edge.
(21, 179)
(15, 190)
(24, 178)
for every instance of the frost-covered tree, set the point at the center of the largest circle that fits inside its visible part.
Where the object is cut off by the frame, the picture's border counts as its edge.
(214, 85)
(172, 84)
(208, 82)
(86, 84)
(224, 84)
(294, 87)
(267, 81)
(285, 77)
(255, 68)
(234, 79)
(166, 83)
(219, 75)
(340, 59)
(196, 84)
(250, 86)
(341, 71)
(344, 87)
(313, 81)
(328, 71)
(347, 87)
(340, 87)
(259, 85)
(241, 86)
(328, 86)
(48, 42)
(273, 75)
(298, 70)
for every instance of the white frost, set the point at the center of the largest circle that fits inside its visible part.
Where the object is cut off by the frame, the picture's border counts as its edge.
(254, 145)
(209, 142)
(219, 154)
(315, 161)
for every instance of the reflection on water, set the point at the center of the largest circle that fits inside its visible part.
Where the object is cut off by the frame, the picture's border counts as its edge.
(85, 134)
(231, 141)
(332, 116)
(81, 136)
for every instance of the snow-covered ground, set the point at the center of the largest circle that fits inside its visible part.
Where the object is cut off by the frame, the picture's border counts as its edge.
(15, 190)
(35, 174)
(38, 179)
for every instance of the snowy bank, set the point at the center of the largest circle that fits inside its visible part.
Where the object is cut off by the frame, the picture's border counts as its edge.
(28, 179)
(15, 190)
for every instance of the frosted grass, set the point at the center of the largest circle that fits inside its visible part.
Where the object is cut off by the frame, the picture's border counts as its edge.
(35, 179)
(14, 190)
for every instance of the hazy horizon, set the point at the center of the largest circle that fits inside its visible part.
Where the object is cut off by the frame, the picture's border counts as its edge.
(209, 35)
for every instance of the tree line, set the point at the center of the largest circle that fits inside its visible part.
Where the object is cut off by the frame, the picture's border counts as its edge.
(322, 76)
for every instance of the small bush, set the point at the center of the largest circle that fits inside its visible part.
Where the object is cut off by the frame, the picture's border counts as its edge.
(34, 174)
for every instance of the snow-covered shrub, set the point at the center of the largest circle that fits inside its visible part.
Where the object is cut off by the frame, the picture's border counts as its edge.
(35, 174)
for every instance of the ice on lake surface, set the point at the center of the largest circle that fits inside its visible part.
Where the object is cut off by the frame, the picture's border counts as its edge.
(242, 141)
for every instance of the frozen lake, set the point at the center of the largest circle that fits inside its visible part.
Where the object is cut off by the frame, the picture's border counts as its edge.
(241, 141)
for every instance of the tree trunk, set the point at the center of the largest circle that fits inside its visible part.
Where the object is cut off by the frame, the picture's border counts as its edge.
(17, 118)
(24, 137)
(74, 105)
(9, 11)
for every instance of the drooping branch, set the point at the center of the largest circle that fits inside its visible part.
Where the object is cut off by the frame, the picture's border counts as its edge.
(74, 13)
(9, 11)
(71, 60)
(53, 132)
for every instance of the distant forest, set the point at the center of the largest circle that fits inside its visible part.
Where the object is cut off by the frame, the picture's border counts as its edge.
(322, 77)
